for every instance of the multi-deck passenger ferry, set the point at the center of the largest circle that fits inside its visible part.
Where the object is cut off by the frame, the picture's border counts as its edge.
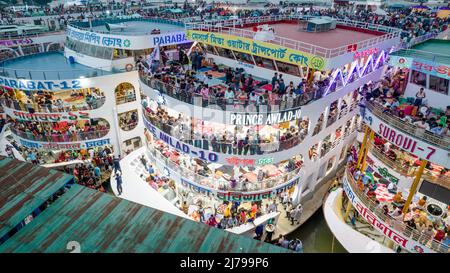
(217, 120)
(240, 150)
(398, 185)
(87, 95)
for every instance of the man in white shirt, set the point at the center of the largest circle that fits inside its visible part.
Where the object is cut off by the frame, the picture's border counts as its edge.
(317, 76)
(422, 124)
(273, 207)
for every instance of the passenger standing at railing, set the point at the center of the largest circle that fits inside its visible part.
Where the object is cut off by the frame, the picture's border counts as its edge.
(420, 95)
(426, 235)
(274, 80)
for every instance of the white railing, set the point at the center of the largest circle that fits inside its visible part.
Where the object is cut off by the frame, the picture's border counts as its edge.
(409, 171)
(397, 224)
(234, 28)
(212, 183)
(441, 141)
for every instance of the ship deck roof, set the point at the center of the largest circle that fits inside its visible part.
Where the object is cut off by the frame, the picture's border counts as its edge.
(330, 39)
(104, 223)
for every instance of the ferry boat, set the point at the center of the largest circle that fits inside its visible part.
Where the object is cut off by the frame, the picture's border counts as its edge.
(20, 40)
(240, 152)
(399, 182)
(7, 31)
(86, 97)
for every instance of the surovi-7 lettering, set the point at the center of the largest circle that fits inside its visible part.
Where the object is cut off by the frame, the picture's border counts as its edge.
(432, 151)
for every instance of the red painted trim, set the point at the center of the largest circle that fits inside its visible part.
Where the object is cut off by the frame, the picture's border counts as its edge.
(368, 31)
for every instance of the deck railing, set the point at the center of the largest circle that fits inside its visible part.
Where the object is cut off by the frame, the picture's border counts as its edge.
(85, 25)
(42, 74)
(236, 104)
(396, 224)
(82, 136)
(234, 27)
(410, 171)
(52, 108)
(441, 141)
(212, 183)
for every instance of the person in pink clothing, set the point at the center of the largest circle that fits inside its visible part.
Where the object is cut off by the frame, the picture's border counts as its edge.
(204, 92)
(272, 98)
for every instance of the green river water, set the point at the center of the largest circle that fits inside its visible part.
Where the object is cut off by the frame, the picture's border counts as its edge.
(316, 236)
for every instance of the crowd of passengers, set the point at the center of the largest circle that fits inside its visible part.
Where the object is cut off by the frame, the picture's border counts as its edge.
(239, 141)
(407, 163)
(241, 88)
(46, 101)
(128, 120)
(412, 22)
(94, 172)
(199, 169)
(434, 232)
(229, 214)
(388, 96)
(59, 131)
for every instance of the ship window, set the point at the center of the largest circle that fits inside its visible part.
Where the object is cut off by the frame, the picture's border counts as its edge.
(330, 163)
(319, 125)
(312, 153)
(225, 52)
(333, 113)
(244, 57)
(108, 53)
(288, 68)
(121, 53)
(439, 84)
(131, 144)
(264, 62)
(419, 78)
(128, 120)
(343, 152)
(326, 146)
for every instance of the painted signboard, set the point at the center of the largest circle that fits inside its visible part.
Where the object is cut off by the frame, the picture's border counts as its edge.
(32, 85)
(16, 42)
(240, 196)
(63, 146)
(253, 119)
(47, 117)
(133, 42)
(380, 225)
(432, 68)
(401, 62)
(407, 142)
(258, 48)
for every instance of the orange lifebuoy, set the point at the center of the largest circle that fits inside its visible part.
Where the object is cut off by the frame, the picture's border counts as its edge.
(128, 67)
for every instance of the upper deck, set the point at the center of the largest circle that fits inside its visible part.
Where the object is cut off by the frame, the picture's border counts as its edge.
(140, 28)
(322, 50)
(132, 33)
(334, 38)
(432, 50)
(47, 66)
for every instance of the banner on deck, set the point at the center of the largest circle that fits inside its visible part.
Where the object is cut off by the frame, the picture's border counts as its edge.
(400, 62)
(258, 48)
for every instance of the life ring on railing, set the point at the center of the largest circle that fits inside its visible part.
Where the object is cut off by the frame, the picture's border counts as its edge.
(128, 67)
